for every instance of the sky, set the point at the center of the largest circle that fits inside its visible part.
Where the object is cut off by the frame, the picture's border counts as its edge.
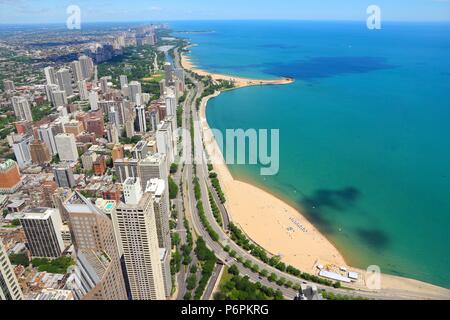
(54, 11)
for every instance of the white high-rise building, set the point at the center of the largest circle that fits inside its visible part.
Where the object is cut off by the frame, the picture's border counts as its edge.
(87, 67)
(135, 224)
(171, 104)
(104, 86)
(47, 136)
(22, 109)
(123, 81)
(93, 100)
(9, 286)
(22, 151)
(161, 204)
(164, 142)
(65, 81)
(82, 88)
(50, 75)
(59, 98)
(135, 89)
(152, 167)
(76, 71)
(112, 133)
(67, 147)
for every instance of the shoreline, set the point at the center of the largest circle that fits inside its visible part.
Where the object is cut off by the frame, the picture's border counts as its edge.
(239, 82)
(254, 211)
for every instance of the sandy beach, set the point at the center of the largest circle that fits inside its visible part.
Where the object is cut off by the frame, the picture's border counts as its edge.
(238, 81)
(280, 228)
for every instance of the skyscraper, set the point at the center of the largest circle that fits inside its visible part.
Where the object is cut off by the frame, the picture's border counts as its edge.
(58, 98)
(112, 133)
(161, 205)
(22, 151)
(94, 239)
(9, 286)
(76, 71)
(168, 73)
(64, 81)
(135, 89)
(96, 124)
(141, 120)
(123, 81)
(46, 135)
(67, 147)
(140, 150)
(87, 66)
(171, 104)
(126, 168)
(152, 167)
(42, 227)
(82, 88)
(93, 100)
(135, 222)
(129, 128)
(64, 176)
(164, 140)
(104, 84)
(50, 75)
(22, 109)
(39, 152)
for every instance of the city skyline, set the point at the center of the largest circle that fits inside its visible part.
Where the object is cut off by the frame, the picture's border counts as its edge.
(30, 12)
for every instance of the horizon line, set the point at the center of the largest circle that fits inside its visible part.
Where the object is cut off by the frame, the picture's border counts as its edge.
(221, 20)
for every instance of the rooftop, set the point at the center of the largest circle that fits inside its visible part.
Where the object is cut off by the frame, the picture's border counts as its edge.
(38, 213)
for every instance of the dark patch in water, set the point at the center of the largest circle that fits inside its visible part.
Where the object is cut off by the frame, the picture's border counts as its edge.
(339, 200)
(325, 67)
(234, 68)
(278, 46)
(374, 237)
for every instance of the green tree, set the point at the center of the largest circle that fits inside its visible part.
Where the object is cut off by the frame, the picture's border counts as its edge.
(175, 239)
(233, 270)
(19, 259)
(173, 168)
(173, 189)
(191, 282)
(188, 296)
(272, 277)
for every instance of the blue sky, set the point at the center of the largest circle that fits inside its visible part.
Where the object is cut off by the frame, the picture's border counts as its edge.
(40, 11)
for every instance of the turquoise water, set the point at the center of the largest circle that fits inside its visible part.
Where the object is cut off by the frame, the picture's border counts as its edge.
(364, 130)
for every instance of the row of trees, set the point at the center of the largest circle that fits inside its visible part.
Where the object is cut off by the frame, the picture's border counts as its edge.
(208, 262)
(215, 209)
(216, 185)
(241, 288)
